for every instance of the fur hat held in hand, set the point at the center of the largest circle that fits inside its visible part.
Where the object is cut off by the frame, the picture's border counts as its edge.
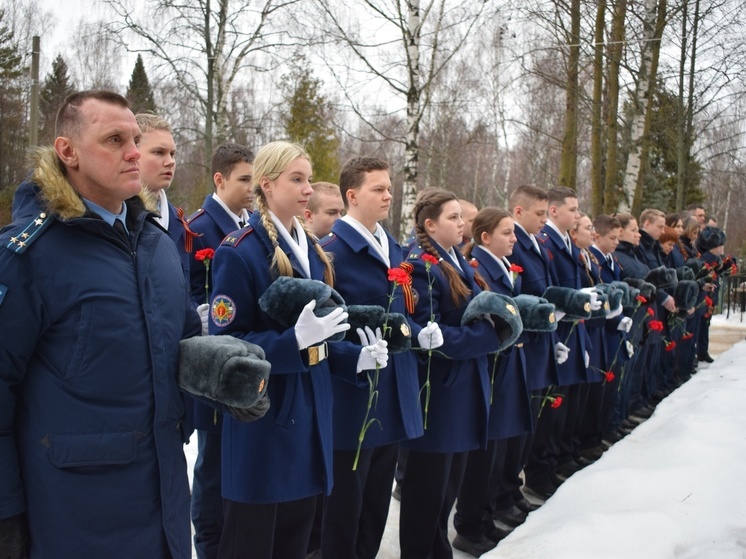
(398, 334)
(614, 295)
(285, 298)
(628, 298)
(684, 273)
(685, 295)
(575, 304)
(647, 290)
(503, 311)
(537, 314)
(224, 369)
(662, 278)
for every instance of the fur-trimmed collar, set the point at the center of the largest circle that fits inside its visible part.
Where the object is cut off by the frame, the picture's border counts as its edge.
(57, 195)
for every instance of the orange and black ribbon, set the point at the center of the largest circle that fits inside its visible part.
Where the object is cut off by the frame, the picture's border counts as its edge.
(189, 234)
(407, 289)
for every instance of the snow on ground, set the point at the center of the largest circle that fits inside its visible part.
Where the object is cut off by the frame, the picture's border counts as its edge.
(674, 488)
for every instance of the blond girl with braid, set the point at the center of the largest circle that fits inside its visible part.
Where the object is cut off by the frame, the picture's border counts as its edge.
(457, 418)
(274, 468)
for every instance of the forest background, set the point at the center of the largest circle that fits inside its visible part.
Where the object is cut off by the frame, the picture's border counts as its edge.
(634, 103)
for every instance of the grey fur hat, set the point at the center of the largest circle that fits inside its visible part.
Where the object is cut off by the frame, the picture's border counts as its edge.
(709, 238)
(662, 278)
(647, 290)
(684, 273)
(285, 298)
(224, 369)
(614, 295)
(398, 334)
(686, 294)
(628, 298)
(537, 314)
(575, 304)
(503, 311)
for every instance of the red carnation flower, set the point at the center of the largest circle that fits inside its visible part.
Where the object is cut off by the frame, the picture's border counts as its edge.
(556, 401)
(670, 346)
(516, 268)
(642, 300)
(609, 376)
(650, 312)
(687, 336)
(399, 276)
(708, 301)
(430, 259)
(656, 326)
(473, 263)
(204, 254)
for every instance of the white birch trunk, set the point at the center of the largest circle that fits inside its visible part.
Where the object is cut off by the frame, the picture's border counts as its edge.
(411, 153)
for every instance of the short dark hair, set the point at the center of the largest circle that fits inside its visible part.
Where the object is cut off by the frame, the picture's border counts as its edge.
(353, 173)
(526, 192)
(603, 224)
(68, 122)
(227, 156)
(692, 207)
(625, 219)
(558, 194)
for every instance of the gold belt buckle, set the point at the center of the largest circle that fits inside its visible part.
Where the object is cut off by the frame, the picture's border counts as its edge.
(316, 354)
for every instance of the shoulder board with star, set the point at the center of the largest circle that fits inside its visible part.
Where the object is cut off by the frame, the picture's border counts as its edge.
(416, 253)
(326, 239)
(233, 240)
(25, 235)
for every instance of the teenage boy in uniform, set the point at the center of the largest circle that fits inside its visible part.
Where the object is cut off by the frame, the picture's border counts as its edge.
(325, 206)
(222, 212)
(356, 511)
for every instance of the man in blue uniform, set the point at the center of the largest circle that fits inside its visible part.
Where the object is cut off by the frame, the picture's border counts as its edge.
(222, 212)
(96, 303)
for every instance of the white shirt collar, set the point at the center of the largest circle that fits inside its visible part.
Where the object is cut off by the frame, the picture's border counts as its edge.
(299, 248)
(163, 218)
(530, 236)
(503, 263)
(236, 218)
(382, 248)
(564, 235)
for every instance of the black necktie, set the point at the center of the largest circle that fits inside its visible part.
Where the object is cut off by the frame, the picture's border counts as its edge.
(241, 224)
(377, 238)
(610, 261)
(119, 228)
(567, 242)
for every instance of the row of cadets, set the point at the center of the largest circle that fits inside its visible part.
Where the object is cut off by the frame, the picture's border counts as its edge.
(607, 334)
(273, 469)
(491, 471)
(457, 417)
(574, 373)
(222, 212)
(363, 252)
(688, 230)
(543, 351)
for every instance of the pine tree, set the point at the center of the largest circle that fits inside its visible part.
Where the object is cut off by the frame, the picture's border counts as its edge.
(309, 122)
(13, 125)
(57, 85)
(139, 93)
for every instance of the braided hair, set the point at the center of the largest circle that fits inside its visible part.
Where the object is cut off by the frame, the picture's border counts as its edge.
(429, 205)
(271, 160)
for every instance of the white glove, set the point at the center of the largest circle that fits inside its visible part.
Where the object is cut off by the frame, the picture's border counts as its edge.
(374, 352)
(630, 348)
(311, 329)
(587, 359)
(558, 315)
(203, 311)
(625, 325)
(430, 336)
(614, 313)
(561, 352)
(595, 303)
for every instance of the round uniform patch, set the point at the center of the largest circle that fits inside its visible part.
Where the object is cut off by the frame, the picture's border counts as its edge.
(223, 311)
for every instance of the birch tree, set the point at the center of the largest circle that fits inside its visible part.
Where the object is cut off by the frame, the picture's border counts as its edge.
(402, 45)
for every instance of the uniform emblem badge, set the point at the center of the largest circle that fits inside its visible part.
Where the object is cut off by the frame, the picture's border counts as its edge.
(222, 311)
(551, 318)
(587, 307)
(511, 309)
(405, 329)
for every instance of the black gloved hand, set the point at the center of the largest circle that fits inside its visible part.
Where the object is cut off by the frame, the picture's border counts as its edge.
(245, 415)
(14, 537)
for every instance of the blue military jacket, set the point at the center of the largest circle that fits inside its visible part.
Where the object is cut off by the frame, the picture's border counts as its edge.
(541, 366)
(91, 444)
(510, 410)
(287, 454)
(362, 279)
(457, 418)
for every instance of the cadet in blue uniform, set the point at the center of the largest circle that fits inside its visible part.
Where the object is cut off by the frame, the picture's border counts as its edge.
(510, 407)
(274, 468)
(456, 421)
(529, 206)
(223, 211)
(93, 303)
(363, 252)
